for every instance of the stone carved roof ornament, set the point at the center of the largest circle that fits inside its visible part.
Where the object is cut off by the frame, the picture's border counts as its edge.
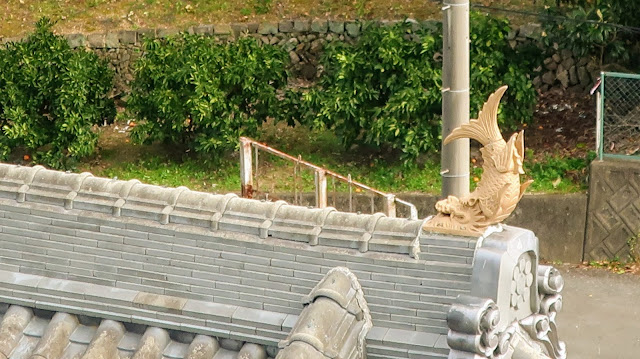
(499, 190)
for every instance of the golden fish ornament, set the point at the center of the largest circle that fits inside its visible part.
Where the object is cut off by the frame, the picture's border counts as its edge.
(498, 191)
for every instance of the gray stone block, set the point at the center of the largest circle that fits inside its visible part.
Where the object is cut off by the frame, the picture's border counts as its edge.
(353, 28)
(266, 28)
(128, 37)
(240, 28)
(96, 40)
(285, 26)
(301, 25)
(76, 40)
(203, 30)
(320, 26)
(222, 29)
(146, 34)
(336, 27)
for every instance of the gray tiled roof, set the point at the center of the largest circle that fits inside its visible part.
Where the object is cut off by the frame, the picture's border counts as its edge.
(25, 333)
(219, 251)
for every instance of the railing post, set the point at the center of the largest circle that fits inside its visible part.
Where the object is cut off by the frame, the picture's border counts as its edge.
(320, 179)
(390, 205)
(246, 168)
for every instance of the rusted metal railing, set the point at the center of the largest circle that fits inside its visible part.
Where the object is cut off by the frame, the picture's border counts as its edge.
(321, 175)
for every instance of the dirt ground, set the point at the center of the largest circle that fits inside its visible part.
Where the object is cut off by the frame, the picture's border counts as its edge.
(564, 124)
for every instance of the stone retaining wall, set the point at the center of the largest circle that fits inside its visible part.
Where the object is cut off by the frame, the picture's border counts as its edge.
(305, 39)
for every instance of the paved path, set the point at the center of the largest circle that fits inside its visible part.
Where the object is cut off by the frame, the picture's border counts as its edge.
(601, 314)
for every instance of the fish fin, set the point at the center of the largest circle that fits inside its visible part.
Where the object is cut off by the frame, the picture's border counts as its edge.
(484, 129)
(523, 187)
(520, 151)
(510, 155)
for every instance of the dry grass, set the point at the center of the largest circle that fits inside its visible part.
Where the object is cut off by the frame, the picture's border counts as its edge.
(17, 17)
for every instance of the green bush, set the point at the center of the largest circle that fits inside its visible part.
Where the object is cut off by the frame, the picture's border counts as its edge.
(385, 90)
(191, 90)
(51, 97)
(586, 31)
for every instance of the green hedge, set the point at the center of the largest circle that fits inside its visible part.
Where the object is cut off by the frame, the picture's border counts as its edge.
(50, 98)
(384, 91)
(193, 91)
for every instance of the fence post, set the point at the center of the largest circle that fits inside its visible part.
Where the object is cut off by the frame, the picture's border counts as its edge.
(320, 178)
(390, 205)
(246, 168)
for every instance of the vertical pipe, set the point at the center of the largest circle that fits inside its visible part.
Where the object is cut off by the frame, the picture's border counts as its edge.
(350, 194)
(602, 115)
(598, 125)
(255, 190)
(390, 205)
(321, 189)
(246, 168)
(455, 96)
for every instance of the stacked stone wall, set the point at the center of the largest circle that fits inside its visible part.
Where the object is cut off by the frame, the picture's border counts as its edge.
(304, 40)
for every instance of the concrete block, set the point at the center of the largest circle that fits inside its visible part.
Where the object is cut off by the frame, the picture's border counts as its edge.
(264, 284)
(240, 258)
(139, 287)
(189, 295)
(121, 232)
(269, 269)
(216, 277)
(169, 254)
(25, 232)
(44, 228)
(27, 218)
(53, 212)
(270, 254)
(258, 318)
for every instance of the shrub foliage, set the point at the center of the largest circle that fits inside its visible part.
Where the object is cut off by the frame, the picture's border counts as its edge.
(384, 91)
(193, 91)
(50, 98)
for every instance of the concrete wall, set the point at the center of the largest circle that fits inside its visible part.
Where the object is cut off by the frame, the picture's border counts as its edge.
(558, 220)
(613, 218)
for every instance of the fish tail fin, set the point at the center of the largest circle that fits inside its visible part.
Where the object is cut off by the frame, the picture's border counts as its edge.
(484, 129)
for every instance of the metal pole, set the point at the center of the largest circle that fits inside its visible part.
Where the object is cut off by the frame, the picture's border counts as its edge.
(246, 170)
(455, 96)
(321, 189)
